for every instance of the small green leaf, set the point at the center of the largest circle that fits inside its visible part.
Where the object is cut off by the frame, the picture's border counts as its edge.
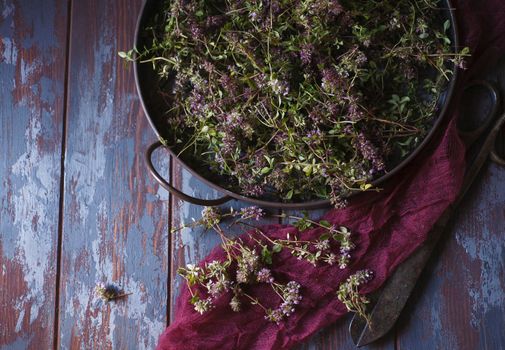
(266, 255)
(324, 237)
(325, 223)
(308, 170)
(447, 25)
(194, 298)
(276, 248)
(265, 170)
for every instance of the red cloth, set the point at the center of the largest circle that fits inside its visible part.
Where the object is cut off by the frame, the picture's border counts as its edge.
(387, 227)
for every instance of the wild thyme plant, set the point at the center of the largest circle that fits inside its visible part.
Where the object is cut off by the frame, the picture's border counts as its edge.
(348, 293)
(250, 264)
(300, 99)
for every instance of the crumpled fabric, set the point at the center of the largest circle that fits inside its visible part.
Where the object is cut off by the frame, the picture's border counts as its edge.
(387, 226)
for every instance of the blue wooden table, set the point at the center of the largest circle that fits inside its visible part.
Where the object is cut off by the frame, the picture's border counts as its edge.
(77, 206)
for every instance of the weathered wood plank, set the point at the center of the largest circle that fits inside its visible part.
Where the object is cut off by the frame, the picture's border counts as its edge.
(459, 302)
(32, 73)
(115, 217)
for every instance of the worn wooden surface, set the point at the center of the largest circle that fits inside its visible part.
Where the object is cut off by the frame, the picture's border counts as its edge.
(32, 74)
(78, 207)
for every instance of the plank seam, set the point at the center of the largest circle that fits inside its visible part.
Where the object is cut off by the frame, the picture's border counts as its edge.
(56, 337)
(170, 245)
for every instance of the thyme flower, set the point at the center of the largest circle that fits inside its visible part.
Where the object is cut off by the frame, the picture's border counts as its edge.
(210, 216)
(235, 304)
(264, 275)
(202, 305)
(254, 213)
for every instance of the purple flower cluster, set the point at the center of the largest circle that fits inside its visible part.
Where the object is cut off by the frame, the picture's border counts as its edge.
(264, 276)
(306, 53)
(229, 143)
(316, 116)
(360, 59)
(315, 137)
(291, 297)
(231, 120)
(354, 113)
(195, 30)
(215, 22)
(254, 17)
(333, 108)
(218, 287)
(235, 304)
(330, 80)
(370, 152)
(278, 179)
(325, 7)
(330, 259)
(252, 190)
(247, 265)
(253, 212)
(335, 8)
(196, 102)
(279, 87)
(208, 66)
(228, 84)
(210, 216)
(322, 245)
(203, 305)
(337, 190)
(274, 315)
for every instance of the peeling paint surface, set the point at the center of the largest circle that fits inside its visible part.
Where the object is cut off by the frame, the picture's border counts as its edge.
(31, 104)
(115, 219)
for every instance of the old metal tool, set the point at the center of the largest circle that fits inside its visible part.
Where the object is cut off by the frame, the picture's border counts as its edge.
(387, 303)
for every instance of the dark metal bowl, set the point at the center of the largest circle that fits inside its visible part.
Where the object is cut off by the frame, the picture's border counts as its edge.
(154, 105)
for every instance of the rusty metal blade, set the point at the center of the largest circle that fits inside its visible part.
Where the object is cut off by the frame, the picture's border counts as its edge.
(389, 301)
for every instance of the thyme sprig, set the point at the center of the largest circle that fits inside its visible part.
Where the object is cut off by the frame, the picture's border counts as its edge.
(348, 293)
(247, 264)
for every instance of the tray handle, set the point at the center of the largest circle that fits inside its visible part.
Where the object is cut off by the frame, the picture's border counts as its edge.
(174, 191)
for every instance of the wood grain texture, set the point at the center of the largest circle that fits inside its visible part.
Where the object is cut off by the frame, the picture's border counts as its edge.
(32, 73)
(115, 217)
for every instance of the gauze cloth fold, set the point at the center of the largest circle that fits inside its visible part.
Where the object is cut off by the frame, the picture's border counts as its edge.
(387, 226)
